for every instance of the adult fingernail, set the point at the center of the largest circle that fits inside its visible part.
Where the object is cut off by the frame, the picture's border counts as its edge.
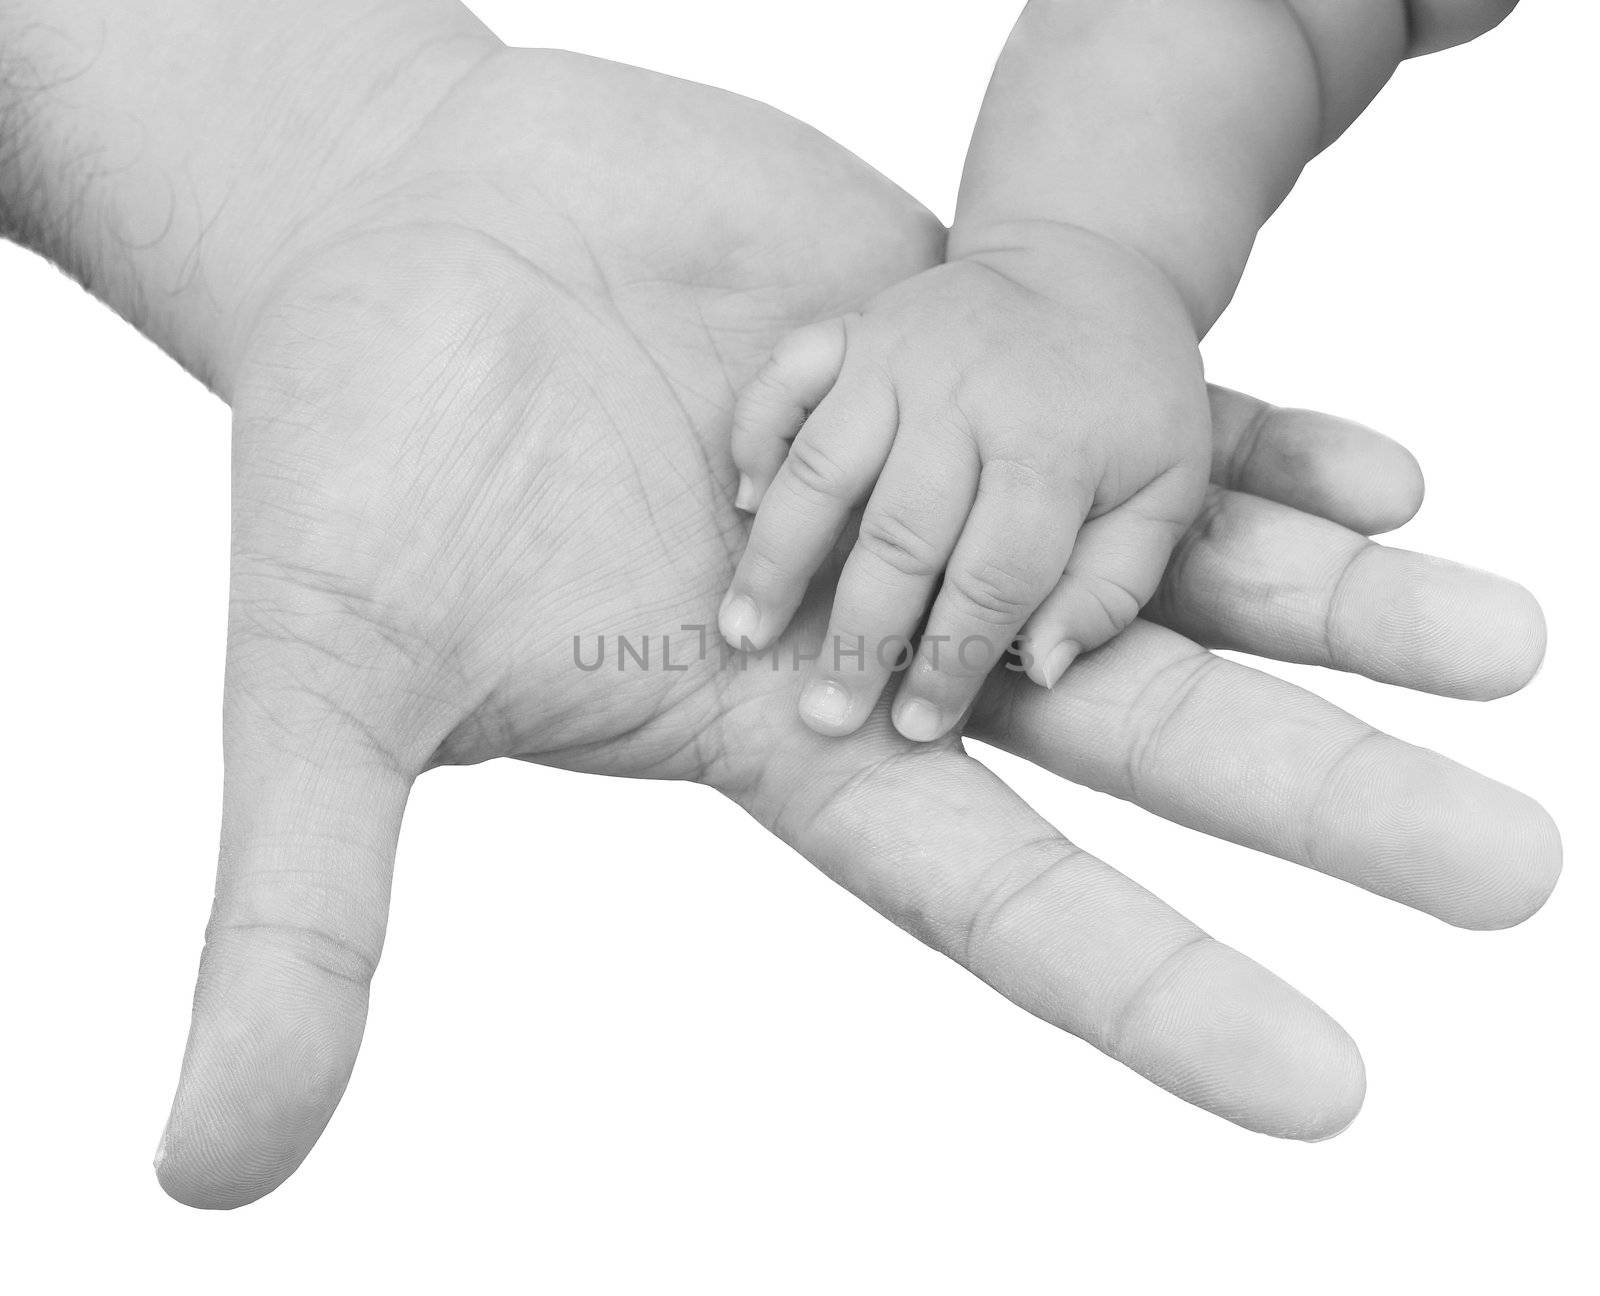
(739, 620)
(1057, 661)
(745, 500)
(919, 721)
(825, 704)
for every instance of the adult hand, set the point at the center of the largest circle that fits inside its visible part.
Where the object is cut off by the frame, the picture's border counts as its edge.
(483, 412)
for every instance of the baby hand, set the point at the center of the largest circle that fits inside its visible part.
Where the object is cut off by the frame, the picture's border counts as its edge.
(1030, 460)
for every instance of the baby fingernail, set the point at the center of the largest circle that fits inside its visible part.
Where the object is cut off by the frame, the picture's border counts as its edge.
(825, 703)
(919, 721)
(739, 620)
(745, 500)
(1057, 661)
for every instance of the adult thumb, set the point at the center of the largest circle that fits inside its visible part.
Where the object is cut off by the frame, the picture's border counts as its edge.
(312, 802)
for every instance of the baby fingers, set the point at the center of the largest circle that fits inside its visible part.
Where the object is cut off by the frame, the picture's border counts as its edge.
(1114, 570)
(1012, 552)
(908, 531)
(828, 471)
(772, 408)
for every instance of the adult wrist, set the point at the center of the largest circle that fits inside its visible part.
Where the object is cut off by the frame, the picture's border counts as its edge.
(177, 155)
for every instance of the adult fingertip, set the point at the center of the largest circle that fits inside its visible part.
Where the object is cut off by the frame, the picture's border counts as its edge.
(1335, 468)
(231, 1141)
(1478, 635)
(1447, 628)
(189, 1180)
(216, 1155)
(1348, 472)
(1370, 482)
(270, 1053)
(1525, 640)
(1220, 1031)
(198, 1170)
(1394, 488)
(203, 1192)
(1337, 1119)
(1416, 827)
(1517, 854)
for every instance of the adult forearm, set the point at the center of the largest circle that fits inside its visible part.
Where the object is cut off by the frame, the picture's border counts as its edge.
(168, 153)
(1176, 127)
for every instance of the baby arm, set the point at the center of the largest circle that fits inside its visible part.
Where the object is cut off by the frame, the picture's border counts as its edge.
(1029, 420)
(1176, 127)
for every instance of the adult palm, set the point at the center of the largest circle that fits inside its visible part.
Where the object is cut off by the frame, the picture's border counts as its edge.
(482, 413)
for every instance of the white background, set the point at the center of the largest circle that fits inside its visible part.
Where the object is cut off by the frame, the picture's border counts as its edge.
(624, 1042)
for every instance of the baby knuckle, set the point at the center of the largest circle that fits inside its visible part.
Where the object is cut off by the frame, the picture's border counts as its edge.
(770, 384)
(994, 592)
(1043, 475)
(756, 405)
(1118, 603)
(817, 469)
(899, 543)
